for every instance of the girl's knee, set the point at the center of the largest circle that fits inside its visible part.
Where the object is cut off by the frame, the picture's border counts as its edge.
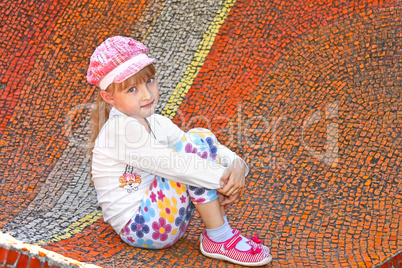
(202, 132)
(201, 137)
(199, 141)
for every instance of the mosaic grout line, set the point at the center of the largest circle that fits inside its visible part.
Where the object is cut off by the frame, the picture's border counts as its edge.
(70, 230)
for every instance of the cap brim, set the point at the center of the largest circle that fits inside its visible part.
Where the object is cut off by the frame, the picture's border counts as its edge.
(132, 70)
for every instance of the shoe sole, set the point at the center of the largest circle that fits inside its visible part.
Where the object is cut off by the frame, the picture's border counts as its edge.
(221, 257)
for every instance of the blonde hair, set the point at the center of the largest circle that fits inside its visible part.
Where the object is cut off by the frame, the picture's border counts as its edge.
(100, 113)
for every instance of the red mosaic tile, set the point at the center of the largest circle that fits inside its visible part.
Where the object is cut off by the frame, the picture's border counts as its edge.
(35, 263)
(23, 261)
(12, 257)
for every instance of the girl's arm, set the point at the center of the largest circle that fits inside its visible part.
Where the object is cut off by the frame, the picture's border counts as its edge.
(228, 157)
(126, 140)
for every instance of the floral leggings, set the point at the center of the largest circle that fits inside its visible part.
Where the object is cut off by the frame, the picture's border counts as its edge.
(167, 207)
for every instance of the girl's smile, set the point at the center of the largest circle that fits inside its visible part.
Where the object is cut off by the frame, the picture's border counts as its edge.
(148, 105)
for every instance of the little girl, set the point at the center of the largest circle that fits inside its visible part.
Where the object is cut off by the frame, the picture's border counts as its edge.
(148, 174)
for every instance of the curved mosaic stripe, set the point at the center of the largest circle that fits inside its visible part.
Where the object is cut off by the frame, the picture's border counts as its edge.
(64, 198)
(34, 138)
(74, 228)
(175, 38)
(350, 60)
(57, 217)
(52, 212)
(198, 61)
(256, 37)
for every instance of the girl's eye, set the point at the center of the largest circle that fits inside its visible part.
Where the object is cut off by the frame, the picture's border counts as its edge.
(150, 80)
(132, 89)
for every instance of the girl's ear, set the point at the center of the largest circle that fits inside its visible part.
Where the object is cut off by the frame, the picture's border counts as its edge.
(107, 97)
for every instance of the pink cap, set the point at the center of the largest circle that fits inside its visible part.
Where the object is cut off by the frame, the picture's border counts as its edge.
(115, 60)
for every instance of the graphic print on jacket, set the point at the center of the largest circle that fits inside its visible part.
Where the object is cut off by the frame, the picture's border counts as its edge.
(130, 180)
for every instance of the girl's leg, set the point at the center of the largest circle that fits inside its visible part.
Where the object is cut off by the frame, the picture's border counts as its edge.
(168, 206)
(204, 143)
(162, 218)
(219, 240)
(165, 213)
(211, 214)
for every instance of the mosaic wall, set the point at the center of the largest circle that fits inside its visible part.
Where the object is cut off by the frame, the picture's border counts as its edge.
(307, 92)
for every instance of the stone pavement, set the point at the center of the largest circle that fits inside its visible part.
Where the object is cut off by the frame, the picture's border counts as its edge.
(308, 92)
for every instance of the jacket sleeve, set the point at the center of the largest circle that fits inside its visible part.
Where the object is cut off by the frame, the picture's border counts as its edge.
(227, 156)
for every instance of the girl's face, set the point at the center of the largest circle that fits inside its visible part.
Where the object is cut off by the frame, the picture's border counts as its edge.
(136, 99)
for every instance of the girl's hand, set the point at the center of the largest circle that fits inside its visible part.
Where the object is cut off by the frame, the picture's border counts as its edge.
(229, 200)
(233, 181)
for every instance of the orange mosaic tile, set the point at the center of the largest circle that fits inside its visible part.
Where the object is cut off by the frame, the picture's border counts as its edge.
(307, 92)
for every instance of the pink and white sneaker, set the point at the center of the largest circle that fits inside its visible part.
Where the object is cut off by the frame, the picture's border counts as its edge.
(256, 256)
(254, 241)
